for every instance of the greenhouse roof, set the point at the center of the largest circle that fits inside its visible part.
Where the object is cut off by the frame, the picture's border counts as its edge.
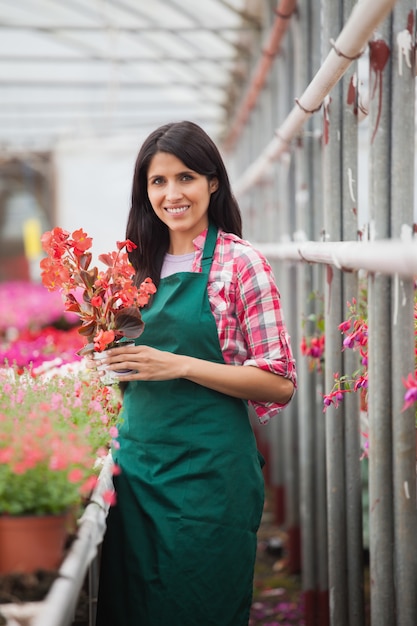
(84, 68)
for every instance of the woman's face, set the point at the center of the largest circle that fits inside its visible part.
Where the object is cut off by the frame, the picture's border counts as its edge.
(179, 196)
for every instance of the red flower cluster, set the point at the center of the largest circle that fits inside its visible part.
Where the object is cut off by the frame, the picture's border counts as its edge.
(107, 302)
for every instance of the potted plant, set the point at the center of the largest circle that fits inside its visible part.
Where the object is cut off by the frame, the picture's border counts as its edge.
(54, 431)
(107, 302)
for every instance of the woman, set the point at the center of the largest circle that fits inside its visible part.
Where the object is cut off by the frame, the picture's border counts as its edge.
(180, 543)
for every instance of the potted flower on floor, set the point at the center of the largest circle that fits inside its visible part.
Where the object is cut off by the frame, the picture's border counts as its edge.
(53, 433)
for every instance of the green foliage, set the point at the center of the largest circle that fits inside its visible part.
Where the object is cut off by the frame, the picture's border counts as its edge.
(53, 433)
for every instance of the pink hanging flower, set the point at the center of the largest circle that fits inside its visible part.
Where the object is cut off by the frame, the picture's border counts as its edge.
(410, 397)
(109, 496)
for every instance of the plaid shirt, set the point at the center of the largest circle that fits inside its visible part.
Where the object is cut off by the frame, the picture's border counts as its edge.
(246, 306)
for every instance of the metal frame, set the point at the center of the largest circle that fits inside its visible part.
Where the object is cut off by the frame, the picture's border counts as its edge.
(180, 56)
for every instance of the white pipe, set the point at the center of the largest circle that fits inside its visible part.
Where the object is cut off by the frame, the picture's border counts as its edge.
(283, 11)
(384, 256)
(59, 605)
(365, 17)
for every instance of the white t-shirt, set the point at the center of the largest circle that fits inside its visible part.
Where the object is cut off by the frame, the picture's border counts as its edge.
(174, 263)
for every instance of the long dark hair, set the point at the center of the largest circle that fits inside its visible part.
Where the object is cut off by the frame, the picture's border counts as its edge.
(191, 144)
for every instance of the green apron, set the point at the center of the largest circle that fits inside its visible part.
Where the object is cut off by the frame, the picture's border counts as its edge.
(180, 544)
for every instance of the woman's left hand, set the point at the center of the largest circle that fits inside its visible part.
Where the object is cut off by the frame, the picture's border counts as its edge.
(249, 383)
(147, 363)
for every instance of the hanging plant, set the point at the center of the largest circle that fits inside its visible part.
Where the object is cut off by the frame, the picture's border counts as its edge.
(313, 339)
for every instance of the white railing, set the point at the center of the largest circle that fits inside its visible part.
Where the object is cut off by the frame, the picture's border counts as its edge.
(58, 608)
(383, 256)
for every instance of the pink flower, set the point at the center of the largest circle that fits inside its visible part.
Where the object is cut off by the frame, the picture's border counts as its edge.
(410, 397)
(6, 455)
(109, 496)
(344, 326)
(58, 462)
(88, 486)
(349, 342)
(328, 400)
(75, 475)
(117, 470)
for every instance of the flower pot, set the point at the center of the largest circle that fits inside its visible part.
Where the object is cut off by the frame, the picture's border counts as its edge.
(31, 542)
(112, 376)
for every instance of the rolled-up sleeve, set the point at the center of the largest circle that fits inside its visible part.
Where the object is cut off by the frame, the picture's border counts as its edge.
(246, 306)
(258, 307)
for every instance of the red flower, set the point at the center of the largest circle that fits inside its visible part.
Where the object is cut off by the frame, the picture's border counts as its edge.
(54, 275)
(96, 301)
(147, 286)
(102, 339)
(129, 245)
(344, 326)
(80, 241)
(108, 301)
(53, 242)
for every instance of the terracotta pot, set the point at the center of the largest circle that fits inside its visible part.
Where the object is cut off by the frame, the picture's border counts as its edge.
(28, 543)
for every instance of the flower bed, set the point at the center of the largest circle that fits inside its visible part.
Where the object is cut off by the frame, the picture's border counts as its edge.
(62, 587)
(36, 332)
(54, 431)
(29, 306)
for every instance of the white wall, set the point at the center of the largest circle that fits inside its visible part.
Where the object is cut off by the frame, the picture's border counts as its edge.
(93, 187)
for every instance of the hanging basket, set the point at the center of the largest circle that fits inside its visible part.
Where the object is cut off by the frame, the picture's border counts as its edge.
(29, 543)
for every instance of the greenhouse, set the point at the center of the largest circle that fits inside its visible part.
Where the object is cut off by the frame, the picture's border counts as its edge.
(312, 108)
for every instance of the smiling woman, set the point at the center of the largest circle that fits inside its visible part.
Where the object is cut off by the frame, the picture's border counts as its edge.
(180, 546)
(180, 198)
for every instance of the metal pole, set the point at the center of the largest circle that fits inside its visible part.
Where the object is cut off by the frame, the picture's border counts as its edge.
(317, 216)
(306, 393)
(402, 345)
(335, 444)
(279, 229)
(267, 202)
(262, 198)
(354, 37)
(290, 419)
(379, 343)
(354, 539)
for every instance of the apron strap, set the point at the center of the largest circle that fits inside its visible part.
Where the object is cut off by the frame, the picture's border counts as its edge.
(208, 251)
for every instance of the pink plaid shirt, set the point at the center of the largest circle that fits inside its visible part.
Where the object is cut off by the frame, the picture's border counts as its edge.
(246, 306)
